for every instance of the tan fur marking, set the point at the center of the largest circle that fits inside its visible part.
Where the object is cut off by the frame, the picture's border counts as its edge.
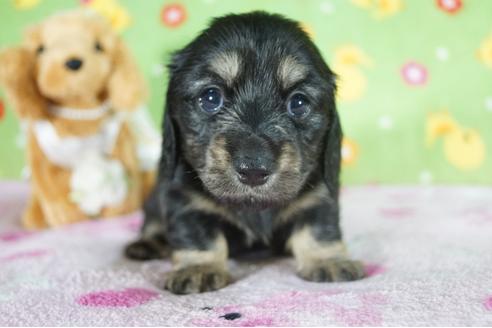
(289, 159)
(290, 71)
(152, 229)
(217, 255)
(203, 204)
(308, 251)
(217, 155)
(309, 199)
(226, 65)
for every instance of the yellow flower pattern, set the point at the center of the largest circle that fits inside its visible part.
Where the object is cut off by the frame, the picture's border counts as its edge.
(380, 8)
(350, 151)
(484, 52)
(116, 14)
(25, 4)
(464, 148)
(352, 83)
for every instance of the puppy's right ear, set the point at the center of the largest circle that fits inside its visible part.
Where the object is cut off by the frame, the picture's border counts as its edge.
(169, 152)
(333, 143)
(178, 59)
(170, 141)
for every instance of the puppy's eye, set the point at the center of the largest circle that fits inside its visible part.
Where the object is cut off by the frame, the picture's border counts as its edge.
(298, 105)
(39, 50)
(211, 100)
(98, 47)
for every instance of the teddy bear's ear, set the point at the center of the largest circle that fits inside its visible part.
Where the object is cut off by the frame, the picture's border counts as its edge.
(18, 79)
(126, 86)
(32, 37)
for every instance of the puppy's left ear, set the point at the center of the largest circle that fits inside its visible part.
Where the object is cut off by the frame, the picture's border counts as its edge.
(332, 151)
(126, 86)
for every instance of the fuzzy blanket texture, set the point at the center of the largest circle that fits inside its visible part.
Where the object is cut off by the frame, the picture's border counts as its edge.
(428, 255)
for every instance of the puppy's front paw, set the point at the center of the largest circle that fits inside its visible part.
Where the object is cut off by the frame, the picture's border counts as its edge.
(333, 269)
(197, 279)
(143, 250)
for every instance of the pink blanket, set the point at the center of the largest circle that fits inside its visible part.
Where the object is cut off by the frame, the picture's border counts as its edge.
(428, 254)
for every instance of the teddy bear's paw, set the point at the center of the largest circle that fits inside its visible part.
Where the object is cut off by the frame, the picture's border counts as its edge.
(63, 213)
(33, 218)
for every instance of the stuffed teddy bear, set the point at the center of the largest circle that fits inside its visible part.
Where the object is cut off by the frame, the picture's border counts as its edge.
(91, 147)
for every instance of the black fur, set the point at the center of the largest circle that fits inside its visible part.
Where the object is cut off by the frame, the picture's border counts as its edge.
(254, 108)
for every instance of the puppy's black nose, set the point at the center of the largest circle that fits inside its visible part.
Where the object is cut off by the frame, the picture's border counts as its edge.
(73, 64)
(253, 176)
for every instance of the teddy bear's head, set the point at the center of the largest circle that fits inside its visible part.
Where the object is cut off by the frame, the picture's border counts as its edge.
(75, 59)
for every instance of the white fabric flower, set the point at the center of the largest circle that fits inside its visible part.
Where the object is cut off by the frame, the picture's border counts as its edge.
(97, 182)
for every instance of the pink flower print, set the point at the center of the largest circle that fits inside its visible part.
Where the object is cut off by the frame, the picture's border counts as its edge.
(365, 313)
(13, 236)
(129, 297)
(2, 110)
(373, 269)
(449, 6)
(133, 223)
(397, 212)
(488, 303)
(24, 254)
(173, 15)
(414, 74)
(478, 215)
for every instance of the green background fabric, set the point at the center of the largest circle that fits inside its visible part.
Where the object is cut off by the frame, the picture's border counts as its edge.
(401, 63)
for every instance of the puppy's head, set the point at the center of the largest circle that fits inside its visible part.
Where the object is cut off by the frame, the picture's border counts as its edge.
(251, 103)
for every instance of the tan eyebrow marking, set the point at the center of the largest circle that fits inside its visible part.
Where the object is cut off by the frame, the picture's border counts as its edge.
(312, 198)
(290, 71)
(226, 65)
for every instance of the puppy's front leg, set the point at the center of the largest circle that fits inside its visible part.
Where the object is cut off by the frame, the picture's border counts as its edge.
(316, 240)
(322, 260)
(199, 254)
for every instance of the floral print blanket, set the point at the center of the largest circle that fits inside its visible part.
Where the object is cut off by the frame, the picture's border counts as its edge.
(427, 251)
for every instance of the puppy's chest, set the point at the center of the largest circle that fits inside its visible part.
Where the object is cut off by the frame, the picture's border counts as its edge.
(258, 226)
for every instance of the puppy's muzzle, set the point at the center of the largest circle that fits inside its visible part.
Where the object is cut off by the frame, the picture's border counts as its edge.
(252, 176)
(253, 162)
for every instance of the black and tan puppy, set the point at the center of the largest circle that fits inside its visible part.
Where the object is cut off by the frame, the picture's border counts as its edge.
(251, 156)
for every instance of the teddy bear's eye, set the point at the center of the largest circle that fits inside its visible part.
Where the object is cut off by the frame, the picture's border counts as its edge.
(98, 47)
(39, 49)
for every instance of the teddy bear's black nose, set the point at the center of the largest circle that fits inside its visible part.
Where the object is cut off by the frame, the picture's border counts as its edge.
(73, 64)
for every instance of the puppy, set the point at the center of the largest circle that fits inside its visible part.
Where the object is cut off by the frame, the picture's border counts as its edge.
(251, 156)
